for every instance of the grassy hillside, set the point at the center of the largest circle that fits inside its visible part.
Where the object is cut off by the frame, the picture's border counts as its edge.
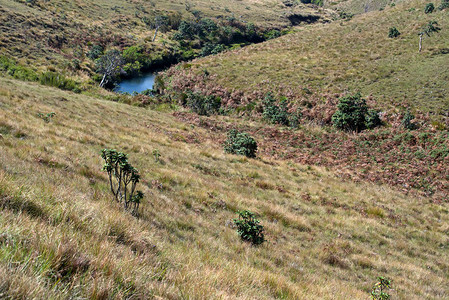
(355, 55)
(49, 34)
(61, 234)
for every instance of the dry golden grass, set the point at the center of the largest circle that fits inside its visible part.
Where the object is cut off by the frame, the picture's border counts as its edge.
(62, 236)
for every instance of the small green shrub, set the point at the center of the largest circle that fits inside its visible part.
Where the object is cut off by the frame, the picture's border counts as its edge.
(123, 179)
(46, 117)
(95, 52)
(429, 8)
(240, 143)
(444, 4)
(372, 119)
(407, 121)
(248, 228)
(393, 32)
(353, 114)
(157, 156)
(279, 114)
(378, 291)
(203, 105)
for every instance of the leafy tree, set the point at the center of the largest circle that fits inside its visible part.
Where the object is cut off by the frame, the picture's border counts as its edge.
(428, 30)
(240, 143)
(248, 228)
(379, 290)
(429, 8)
(123, 179)
(110, 65)
(393, 32)
(351, 113)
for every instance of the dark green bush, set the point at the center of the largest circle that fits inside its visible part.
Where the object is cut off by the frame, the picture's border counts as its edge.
(272, 34)
(203, 105)
(95, 52)
(407, 121)
(372, 119)
(211, 49)
(279, 114)
(248, 228)
(353, 114)
(429, 8)
(316, 2)
(393, 32)
(240, 143)
(123, 179)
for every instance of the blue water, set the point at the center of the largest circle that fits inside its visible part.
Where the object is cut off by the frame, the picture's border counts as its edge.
(136, 84)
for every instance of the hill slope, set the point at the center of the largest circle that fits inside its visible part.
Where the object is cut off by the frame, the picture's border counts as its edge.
(355, 55)
(61, 235)
(52, 33)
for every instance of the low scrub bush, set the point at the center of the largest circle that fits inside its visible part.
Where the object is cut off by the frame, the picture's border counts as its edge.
(379, 290)
(11, 68)
(57, 80)
(407, 121)
(123, 179)
(248, 228)
(430, 7)
(353, 114)
(279, 114)
(240, 143)
(444, 4)
(203, 105)
(46, 117)
(393, 32)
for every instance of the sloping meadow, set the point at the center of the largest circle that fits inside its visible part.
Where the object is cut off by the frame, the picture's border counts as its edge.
(62, 235)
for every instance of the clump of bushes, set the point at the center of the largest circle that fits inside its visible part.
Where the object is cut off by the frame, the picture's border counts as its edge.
(11, 68)
(279, 114)
(240, 143)
(353, 114)
(429, 8)
(248, 228)
(60, 81)
(203, 105)
(393, 32)
(123, 179)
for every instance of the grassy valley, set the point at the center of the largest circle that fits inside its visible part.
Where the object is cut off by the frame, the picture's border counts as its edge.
(348, 186)
(63, 236)
(354, 55)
